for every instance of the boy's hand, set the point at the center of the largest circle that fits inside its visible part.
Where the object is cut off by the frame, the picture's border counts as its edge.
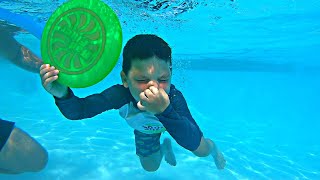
(49, 75)
(153, 100)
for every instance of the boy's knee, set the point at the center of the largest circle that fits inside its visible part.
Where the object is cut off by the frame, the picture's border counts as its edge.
(204, 148)
(150, 164)
(201, 153)
(150, 168)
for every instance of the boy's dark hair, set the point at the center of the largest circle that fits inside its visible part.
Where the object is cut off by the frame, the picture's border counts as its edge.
(142, 47)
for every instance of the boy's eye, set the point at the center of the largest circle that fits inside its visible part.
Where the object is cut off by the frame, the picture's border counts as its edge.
(141, 80)
(163, 80)
(146, 80)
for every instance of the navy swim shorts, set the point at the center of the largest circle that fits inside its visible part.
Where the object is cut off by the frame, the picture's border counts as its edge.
(146, 144)
(6, 128)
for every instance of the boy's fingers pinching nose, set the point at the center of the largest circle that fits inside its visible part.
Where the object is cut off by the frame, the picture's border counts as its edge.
(154, 90)
(148, 93)
(143, 96)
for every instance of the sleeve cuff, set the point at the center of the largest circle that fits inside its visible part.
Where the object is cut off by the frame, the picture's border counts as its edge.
(167, 111)
(69, 96)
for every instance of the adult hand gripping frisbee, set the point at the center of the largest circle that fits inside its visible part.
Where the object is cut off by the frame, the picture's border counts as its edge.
(83, 40)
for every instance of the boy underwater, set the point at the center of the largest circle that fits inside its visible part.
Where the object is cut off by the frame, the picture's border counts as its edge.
(146, 100)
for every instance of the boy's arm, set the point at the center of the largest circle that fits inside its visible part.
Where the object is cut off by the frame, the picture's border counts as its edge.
(179, 123)
(75, 108)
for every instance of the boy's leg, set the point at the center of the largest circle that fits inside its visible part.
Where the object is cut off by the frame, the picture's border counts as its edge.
(207, 147)
(166, 150)
(150, 151)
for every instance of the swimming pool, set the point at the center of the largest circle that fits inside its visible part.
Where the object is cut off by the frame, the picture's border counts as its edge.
(249, 72)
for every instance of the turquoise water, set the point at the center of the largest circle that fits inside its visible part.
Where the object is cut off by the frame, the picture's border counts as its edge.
(250, 74)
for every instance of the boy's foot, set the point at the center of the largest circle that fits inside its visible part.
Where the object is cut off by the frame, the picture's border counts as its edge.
(169, 155)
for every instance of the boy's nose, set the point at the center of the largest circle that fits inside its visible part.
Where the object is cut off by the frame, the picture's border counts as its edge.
(153, 83)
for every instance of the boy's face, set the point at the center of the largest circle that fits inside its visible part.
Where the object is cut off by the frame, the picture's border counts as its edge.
(145, 73)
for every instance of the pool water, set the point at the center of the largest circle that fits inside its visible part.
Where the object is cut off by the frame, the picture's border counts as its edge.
(248, 70)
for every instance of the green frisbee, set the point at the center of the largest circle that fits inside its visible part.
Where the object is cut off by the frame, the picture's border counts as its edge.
(83, 40)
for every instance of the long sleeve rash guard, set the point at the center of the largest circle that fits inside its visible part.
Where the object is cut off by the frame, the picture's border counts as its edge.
(176, 118)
